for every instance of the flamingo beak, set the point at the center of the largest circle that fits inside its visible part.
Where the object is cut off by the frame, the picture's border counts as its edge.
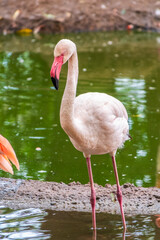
(55, 71)
(55, 82)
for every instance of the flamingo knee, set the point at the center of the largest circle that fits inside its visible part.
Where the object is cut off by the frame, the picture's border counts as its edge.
(119, 195)
(93, 198)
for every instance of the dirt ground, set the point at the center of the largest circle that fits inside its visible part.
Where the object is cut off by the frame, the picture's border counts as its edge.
(18, 194)
(52, 16)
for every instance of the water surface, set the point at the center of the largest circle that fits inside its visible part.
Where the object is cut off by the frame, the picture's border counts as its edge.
(39, 224)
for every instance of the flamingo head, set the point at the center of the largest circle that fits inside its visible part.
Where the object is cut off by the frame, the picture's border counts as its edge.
(62, 52)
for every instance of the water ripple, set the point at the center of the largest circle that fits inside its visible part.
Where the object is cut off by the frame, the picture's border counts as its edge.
(22, 224)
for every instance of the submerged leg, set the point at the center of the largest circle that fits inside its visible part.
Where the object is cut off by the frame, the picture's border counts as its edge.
(93, 193)
(119, 192)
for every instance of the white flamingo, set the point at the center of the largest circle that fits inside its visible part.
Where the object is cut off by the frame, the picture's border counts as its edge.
(96, 123)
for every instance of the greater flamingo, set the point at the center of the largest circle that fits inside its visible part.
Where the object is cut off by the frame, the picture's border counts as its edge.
(7, 153)
(96, 123)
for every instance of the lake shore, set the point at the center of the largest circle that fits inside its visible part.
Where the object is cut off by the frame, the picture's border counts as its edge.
(78, 16)
(19, 194)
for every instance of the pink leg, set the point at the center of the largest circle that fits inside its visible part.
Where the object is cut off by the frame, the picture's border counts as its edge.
(119, 192)
(93, 193)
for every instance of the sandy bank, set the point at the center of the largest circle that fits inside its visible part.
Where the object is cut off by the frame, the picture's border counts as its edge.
(18, 194)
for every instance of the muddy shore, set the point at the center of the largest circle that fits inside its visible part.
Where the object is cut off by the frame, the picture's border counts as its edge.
(62, 16)
(19, 194)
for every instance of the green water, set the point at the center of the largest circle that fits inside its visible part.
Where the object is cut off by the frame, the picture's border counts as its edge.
(126, 66)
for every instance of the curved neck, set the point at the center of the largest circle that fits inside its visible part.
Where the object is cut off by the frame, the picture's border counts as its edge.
(67, 104)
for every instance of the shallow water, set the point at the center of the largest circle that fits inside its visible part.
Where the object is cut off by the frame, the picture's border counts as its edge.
(123, 65)
(39, 224)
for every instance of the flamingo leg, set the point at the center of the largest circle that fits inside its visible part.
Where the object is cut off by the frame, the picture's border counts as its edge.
(93, 193)
(119, 192)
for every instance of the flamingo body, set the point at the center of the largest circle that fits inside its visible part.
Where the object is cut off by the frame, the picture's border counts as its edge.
(7, 153)
(100, 118)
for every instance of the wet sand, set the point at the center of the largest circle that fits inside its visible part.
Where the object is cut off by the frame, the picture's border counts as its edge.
(19, 194)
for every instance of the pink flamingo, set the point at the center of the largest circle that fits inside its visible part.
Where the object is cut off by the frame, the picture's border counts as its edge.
(6, 153)
(96, 123)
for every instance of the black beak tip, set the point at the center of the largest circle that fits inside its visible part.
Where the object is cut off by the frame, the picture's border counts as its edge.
(55, 83)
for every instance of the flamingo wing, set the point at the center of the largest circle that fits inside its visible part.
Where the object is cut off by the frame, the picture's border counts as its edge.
(7, 152)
